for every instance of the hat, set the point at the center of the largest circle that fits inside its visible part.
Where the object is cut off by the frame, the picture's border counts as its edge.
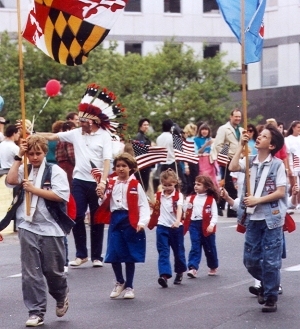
(100, 106)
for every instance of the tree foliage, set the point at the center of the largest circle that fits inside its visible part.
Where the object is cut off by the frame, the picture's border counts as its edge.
(172, 83)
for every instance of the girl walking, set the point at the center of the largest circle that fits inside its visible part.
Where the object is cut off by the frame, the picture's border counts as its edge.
(167, 215)
(200, 220)
(127, 210)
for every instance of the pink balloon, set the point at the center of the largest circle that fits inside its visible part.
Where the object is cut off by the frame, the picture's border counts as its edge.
(53, 87)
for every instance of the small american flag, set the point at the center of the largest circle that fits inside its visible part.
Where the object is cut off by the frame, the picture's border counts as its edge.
(222, 158)
(147, 155)
(296, 163)
(184, 150)
(95, 172)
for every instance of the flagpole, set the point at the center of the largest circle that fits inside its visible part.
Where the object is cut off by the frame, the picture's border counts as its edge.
(244, 92)
(22, 98)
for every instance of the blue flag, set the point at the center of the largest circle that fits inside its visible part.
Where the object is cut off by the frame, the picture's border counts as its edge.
(254, 26)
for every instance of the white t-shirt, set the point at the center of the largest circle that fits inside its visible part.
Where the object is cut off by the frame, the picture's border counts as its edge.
(42, 221)
(166, 140)
(167, 216)
(281, 180)
(95, 147)
(8, 150)
(292, 144)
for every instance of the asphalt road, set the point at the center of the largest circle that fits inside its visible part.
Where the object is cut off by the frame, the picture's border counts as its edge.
(221, 302)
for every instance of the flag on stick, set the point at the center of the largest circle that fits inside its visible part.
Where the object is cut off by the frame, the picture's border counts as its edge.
(223, 158)
(147, 155)
(95, 172)
(184, 150)
(67, 30)
(254, 25)
(296, 163)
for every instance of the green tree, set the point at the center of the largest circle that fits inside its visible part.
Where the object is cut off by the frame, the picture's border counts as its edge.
(173, 83)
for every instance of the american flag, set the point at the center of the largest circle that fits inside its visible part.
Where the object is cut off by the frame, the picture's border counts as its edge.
(147, 155)
(95, 172)
(222, 158)
(296, 163)
(184, 150)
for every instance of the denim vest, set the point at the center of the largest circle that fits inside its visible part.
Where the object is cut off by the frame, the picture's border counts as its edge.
(274, 211)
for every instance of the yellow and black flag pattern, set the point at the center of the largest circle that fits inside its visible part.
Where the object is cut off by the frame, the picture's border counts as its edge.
(68, 30)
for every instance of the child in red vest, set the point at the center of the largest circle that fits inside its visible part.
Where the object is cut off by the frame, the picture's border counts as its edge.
(127, 210)
(200, 220)
(167, 215)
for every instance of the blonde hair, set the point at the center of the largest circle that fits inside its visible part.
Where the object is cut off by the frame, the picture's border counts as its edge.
(37, 143)
(190, 129)
(272, 121)
(169, 174)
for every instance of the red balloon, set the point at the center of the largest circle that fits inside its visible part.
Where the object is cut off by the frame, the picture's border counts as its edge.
(53, 87)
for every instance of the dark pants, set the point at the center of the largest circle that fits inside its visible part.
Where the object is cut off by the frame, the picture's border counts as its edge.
(143, 177)
(232, 191)
(85, 195)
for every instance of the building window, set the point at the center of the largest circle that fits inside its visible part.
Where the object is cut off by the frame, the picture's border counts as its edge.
(211, 51)
(270, 67)
(210, 6)
(133, 6)
(135, 48)
(172, 6)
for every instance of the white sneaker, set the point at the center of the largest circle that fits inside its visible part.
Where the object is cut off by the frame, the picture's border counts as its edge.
(192, 273)
(129, 293)
(78, 261)
(34, 321)
(118, 288)
(66, 269)
(97, 263)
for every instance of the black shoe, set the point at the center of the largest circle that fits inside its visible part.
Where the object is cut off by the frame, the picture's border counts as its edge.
(254, 290)
(220, 212)
(270, 305)
(163, 282)
(178, 278)
(260, 296)
(280, 291)
(231, 213)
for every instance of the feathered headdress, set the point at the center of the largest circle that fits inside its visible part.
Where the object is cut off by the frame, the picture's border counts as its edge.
(100, 106)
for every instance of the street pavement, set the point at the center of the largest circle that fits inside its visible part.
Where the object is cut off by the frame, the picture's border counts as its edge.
(221, 302)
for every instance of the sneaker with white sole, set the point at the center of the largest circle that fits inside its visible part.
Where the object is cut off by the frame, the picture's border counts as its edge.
(78, 261)
(192, 273)
(118, 288)
(212, 272)
(129, 293)
(62, 307)
(34, 321)
(97, 263)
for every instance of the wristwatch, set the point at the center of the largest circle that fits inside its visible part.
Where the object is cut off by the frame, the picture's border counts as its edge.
(17, 158)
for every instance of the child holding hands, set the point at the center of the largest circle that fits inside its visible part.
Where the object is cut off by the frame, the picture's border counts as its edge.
(167, 215)
(200, 220)
(127, 210)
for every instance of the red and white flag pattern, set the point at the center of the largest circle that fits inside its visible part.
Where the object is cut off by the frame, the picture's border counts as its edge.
(184, 150)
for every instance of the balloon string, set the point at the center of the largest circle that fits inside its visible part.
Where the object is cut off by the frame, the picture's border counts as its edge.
(41, 110)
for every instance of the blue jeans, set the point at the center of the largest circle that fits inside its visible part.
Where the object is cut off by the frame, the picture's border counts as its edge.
(199, 241)
(85, 195)
(262, 255)
(167, 237)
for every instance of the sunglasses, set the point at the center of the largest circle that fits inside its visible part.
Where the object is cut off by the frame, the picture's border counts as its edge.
(250, 130)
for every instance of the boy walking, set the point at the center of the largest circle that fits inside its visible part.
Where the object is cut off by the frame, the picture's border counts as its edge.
(41, 232)
(263, 213)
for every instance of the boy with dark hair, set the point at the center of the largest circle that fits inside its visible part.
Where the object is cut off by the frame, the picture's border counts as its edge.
(41, 232)
(263, 213)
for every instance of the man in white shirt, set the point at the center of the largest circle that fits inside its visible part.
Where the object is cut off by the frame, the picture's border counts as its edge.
(8, 148)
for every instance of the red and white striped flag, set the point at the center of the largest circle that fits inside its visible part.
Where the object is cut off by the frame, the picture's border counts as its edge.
(95, 172)
(222, 158)
(296, 163)
(147, 155)
(184, 150)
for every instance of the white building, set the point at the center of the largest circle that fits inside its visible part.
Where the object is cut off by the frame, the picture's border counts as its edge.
(146, 24)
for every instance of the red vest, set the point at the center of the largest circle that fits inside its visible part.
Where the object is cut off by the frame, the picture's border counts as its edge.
(102, 215)
(156, 210)
(206, 215)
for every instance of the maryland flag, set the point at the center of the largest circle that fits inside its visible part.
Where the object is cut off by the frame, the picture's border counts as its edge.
(67, 30)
